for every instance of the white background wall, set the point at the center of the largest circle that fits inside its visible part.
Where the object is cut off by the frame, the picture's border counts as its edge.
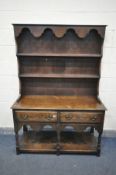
(56, 12)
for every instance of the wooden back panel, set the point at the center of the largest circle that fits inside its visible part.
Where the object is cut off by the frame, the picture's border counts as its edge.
(55, 65)
(54, 86)
(69, 43)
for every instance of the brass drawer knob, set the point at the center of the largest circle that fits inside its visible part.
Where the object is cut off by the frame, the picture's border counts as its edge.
(49, 117)
(94, 118)
(25, 117)
(68, 117)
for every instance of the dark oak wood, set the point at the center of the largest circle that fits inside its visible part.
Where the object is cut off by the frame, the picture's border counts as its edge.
(58, 110)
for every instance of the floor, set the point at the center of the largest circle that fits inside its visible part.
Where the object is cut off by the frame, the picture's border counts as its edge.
(32, 164)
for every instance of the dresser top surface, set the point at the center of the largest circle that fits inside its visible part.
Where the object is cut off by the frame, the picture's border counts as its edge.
(41, 102)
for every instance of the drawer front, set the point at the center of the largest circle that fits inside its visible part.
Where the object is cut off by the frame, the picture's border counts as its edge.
(82, 117)
(36, 116)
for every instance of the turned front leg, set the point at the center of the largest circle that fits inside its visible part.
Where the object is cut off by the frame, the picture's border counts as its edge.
(16, 137)
(16, 130)
(92, 130)
(99, 144)
(17, 143)
(25, 129)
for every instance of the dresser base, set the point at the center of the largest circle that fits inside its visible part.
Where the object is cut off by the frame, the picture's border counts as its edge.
(72, 122)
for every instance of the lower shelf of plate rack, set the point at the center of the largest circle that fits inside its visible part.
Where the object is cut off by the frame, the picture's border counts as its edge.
(70, 142)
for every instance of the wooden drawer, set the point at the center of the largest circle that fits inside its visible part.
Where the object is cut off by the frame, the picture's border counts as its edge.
(36, 116)
(81, 117)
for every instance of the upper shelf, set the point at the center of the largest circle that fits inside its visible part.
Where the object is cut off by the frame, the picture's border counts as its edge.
(47, 40)
(59, 55)
(40, 75)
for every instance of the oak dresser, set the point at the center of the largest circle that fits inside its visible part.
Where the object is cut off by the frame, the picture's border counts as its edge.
(59, 110)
